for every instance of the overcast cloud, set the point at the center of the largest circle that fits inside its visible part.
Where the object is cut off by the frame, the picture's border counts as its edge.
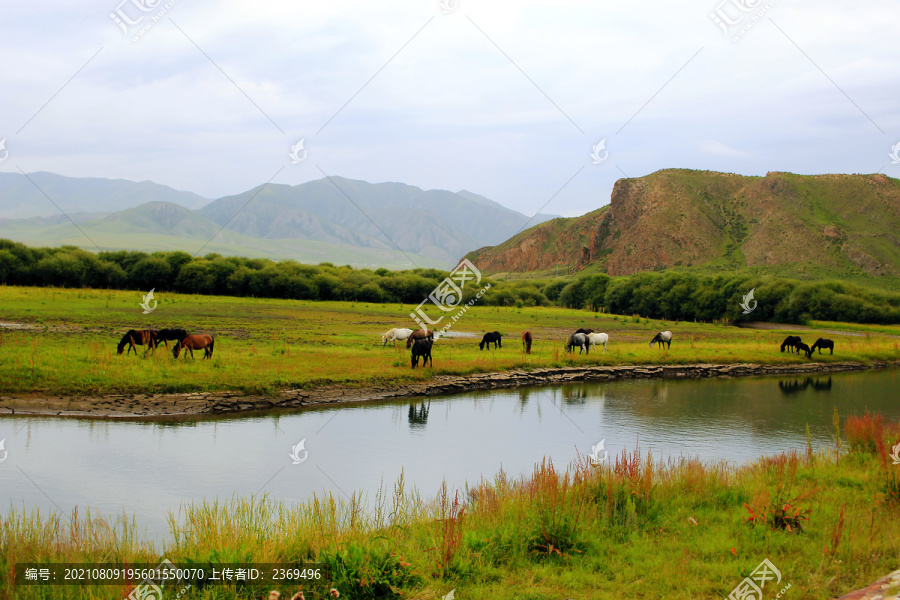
(505, 99)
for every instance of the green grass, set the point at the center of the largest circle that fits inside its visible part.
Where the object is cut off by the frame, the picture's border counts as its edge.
(264, 345)
(631, 528)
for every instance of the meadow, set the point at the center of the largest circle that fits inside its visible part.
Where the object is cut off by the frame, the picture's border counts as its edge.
(63, 341)
(827, 519)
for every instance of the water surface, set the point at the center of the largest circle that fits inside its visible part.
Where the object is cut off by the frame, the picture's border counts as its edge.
(148, 468)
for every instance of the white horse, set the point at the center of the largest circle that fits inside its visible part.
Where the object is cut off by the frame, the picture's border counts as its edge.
(397, 333)
(598, 338)
(663, 337)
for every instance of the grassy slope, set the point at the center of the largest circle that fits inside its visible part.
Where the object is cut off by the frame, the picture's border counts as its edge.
(787, 225)
(264, 345)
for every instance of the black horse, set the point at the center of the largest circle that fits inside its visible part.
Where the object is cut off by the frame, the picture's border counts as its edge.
(822, 343)
(421, 349)
(138, 337)
(489, 338)
(584, 331)
(790, 342)
(801, 346)
(164, 335)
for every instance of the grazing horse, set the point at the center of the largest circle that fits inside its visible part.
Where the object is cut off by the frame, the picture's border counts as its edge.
(135, 337)
(397, 333)
(801, 346)
(422, 349)
(822, 343)
(598, 338)
(580, 340)
(492, 337)
(527, 338)
(164, 335)
(419, 334)
(190, 343)
(790, 342)
(663, 337)
(584, 331)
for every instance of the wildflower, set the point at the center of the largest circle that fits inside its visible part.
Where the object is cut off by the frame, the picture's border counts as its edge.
(334, 593)
(733, 551)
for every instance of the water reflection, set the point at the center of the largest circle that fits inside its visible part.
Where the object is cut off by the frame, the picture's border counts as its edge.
(793, 386)
(418, 415)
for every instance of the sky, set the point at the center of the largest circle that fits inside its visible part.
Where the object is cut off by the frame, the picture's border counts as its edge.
(504, 99)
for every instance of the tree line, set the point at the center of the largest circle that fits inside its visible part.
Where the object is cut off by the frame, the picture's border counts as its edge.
(672, 295)
(682, 296)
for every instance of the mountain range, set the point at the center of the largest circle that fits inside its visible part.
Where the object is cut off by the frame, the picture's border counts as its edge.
(332, 219)
(804, 226)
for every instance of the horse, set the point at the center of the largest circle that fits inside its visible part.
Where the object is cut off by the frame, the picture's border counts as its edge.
(492, 337)
(663, 337)
(801, 346)
(580, 340)
(137, 337)
(419, 334)
(584, 331)
(598, 338)
(790, 342)
(822, 343)
(422, 348)
(164, 335)
(190, 343)
(527, 338)
(397, 333)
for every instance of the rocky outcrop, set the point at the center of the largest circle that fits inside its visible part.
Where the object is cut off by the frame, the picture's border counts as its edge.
(833, 224)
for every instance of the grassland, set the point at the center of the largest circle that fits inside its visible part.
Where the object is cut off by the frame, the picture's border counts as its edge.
(828, 520)
(63, 341)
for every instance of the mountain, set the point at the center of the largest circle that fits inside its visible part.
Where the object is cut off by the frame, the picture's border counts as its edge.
(20, 198)
(438, 224)
(337, 220)
(781, 224)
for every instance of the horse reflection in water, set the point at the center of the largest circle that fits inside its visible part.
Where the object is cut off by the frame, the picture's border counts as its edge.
(793, 386)
(418, 415)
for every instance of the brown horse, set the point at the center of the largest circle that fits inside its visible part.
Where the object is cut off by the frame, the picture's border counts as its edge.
(195, 342)
(135, 337)
(527, 338)
(419, 334)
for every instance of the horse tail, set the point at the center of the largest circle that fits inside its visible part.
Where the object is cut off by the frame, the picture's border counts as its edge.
(212, 344)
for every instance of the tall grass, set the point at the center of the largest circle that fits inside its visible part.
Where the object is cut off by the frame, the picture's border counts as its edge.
(628, 527)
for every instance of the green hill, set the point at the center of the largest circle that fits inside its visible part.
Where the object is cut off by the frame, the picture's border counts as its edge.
(802, 226)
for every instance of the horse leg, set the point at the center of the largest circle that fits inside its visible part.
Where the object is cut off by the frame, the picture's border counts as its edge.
(604, 347)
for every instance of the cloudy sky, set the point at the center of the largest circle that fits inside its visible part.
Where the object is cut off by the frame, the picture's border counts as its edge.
(506, 99)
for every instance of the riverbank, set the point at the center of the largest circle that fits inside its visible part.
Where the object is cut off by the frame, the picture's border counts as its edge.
(826, 520)
(199, 404)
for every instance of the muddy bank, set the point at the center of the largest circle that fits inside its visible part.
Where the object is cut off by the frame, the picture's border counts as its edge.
(148, 406)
